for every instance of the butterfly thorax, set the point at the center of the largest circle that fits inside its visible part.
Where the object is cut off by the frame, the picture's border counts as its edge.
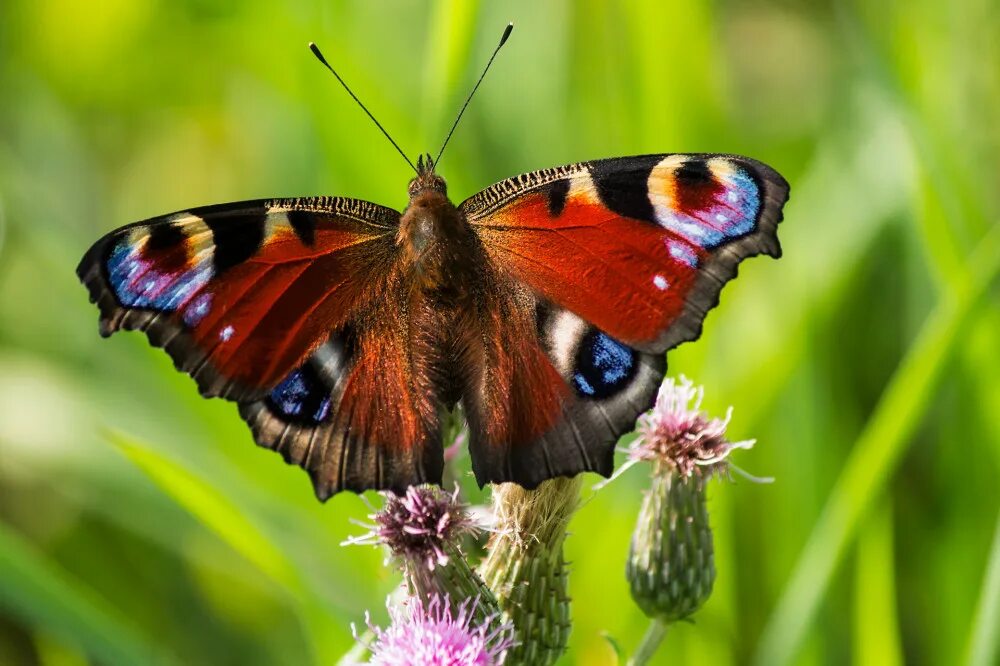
(438, 247)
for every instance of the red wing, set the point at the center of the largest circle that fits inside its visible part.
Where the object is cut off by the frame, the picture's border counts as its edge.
(239, 294)
(291, 308)
(612, 262)
(549, 394)
(357, 414)
(513, 393)
(639, 246)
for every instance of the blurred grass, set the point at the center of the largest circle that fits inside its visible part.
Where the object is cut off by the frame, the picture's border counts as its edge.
(37, 591)
(888, 431)
(984, 643)
(864, 361)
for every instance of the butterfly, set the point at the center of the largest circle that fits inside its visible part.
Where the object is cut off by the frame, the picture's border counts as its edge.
(345, 331)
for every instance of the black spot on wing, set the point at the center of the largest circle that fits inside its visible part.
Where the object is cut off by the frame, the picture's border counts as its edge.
(623, 185)
(555, 193)
(236, 238)
(164, 236)
(694, 173)
(543, 315)
(304, 224)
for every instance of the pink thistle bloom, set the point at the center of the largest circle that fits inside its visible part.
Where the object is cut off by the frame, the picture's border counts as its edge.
(419, 525)
(433, 635)
(677, 434)
(456, 448)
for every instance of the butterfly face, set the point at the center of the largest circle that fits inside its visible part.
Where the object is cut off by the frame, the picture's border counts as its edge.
(426, 179)
(544, 304)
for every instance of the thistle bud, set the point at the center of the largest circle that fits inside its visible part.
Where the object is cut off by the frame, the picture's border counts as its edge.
(671, 565)
(525, 566)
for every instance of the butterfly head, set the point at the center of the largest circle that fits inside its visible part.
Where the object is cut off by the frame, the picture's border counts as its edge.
(426, 179)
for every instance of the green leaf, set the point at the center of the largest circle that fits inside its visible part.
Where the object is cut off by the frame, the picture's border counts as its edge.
(213, 509)
(876, 625)
(615, 646)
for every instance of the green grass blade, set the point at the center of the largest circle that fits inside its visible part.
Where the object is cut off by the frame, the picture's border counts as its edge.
(875, 455)
(876, 625)
(985, 636)
(42, 594)
(223, 518)
(212, 509)
(448, 58)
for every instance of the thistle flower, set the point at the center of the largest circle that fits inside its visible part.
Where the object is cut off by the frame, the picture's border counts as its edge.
(436, 633)
(422, 530)
(421, 526)
(678, 435)
(671, 565)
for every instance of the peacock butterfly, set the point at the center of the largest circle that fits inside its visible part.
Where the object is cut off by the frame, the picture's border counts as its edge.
(544, 304)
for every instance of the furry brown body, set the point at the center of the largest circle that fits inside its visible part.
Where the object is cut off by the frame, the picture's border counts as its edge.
(441, 259)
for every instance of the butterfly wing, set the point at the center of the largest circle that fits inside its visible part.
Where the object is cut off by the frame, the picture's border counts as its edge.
(551, 393)
(358, 414)
(623, 258)
(276, 304)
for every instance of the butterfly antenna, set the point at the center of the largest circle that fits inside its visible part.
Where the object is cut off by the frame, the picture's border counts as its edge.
(319, 56)
(503, 40)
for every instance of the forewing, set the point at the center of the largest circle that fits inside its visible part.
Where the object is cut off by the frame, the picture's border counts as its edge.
(640, 247)
(239, 294)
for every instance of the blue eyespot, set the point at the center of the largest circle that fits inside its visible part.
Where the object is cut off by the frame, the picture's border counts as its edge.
(301, 397)
(603, 367)
(138, 283)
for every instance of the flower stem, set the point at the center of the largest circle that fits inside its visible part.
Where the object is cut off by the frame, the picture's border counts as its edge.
(655, 634)
(458, 582)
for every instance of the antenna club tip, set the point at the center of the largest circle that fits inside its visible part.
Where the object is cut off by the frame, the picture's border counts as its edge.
(506, 33)
(319, 54)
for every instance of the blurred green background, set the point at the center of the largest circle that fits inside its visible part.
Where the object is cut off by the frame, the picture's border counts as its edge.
(138, 523)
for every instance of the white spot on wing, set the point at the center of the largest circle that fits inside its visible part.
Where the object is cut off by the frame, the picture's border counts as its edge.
(226, 333)
(274, 219)
(660, 282)
(682, 252)
(564, 333)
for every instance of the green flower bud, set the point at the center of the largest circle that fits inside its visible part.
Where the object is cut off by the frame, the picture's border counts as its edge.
(525, 566)
(671, 565)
